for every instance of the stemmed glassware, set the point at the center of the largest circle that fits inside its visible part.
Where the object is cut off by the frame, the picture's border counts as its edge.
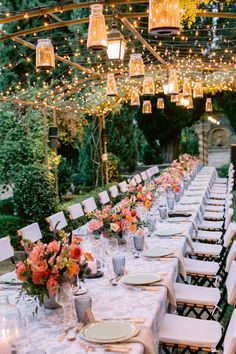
(138, 244)
(151, 224)
(162, 212)
(64, 297)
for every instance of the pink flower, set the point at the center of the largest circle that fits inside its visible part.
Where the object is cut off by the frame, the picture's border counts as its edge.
(52, 285)
(125, 211)
(37, 253)
(95, 225)
(39, 266)
(139, 188)
(53, 247)
(20, 270)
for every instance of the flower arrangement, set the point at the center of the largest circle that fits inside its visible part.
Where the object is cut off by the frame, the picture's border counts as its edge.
(113, 222)
(141, 194)
(49, 265)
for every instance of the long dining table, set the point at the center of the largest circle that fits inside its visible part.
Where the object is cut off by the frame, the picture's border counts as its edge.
(110, 301)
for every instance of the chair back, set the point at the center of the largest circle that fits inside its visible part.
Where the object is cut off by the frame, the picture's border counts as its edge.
(144, 175)
(75, 211)
(6, 249)
(149, 172)
(31, 232)
(114, 191)
(132, 181)
(57, 221)
(231, 256)
(123, 186)
(228, 217)
(229, 234)
(138, 179)
(231, 284)
(104, 197)
(230, 336)
(89, 205)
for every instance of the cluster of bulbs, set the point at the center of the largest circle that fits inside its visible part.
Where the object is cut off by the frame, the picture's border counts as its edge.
(213, 120)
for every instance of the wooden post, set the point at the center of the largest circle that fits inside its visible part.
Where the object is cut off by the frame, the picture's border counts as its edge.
(45, 132)
(54, 114)
(100, 126)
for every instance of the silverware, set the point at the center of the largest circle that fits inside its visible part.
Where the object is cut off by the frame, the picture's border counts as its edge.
(65, 332)
(116, 348)
(72, 334)
(124, 318)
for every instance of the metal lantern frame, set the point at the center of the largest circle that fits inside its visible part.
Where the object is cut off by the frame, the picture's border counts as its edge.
(116, 44)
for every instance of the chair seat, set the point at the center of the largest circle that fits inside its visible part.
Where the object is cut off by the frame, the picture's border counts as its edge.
(204, 235)
(218, 189)
(221, 180)
(215, 202)
(189, 331)
(218, 196)
(204, 248)
(195, 266)
(213, 215)
(198, 295)
(210, 225)
(215, 208)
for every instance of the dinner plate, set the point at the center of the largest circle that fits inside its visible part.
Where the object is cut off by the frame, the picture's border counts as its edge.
(189, 201)
(168, 230)
(10, 278)
(157, 252)
(109, 331)
(140, 278)
(178, 219)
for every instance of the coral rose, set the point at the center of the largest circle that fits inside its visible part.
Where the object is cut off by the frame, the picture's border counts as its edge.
(139, 188)
(88, 256)
(20, 270)
(53, 246)
(52, 285)
(75, 252)
(39, 266)
(39, 277)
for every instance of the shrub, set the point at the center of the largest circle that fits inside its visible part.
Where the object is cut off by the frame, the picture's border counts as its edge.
(9, 225)
(113, 168)
(223, 170)
(64, 176)
(7, 206)
(34, 193)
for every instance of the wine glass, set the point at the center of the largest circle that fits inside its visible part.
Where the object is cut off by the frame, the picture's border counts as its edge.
(64, 298)
(162, 212)
(138, 244)
(151, 224)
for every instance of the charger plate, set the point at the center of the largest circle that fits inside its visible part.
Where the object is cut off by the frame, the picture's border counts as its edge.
(10, 278)
(168, 230)
(109, 331)
(157, 252)
(178, 219)
(140, 278)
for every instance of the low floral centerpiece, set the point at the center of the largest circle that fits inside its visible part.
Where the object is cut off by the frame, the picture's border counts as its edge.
(49, 265)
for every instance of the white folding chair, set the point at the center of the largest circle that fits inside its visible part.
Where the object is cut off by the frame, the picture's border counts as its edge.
(31, 232)
(230, 336)
(6, 249)
(149, 172)
(104, 197)
(132, 181)
(144, 176)
(231, 257)
(75, 211)
(114, 191)
(89, 205)
(57, 221)
(123, 186)
(138, 179)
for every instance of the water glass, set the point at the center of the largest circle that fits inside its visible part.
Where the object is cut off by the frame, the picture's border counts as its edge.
(185, 182)
(118, 262)
(82, 304)
(170, 202)
(162, 212)
(138, 244)
(151, 224)
(64, 297)
(177, 197)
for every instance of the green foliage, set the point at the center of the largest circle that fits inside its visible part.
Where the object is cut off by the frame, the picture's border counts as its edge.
(9, 225)
(85, 169)
(188, 142)
(113, 168)
(6, 206)
(34, 193)
(223, 171)
(121, 127)
(64, 176)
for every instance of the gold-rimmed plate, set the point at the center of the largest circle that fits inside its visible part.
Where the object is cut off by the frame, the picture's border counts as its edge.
(157, 252)
(140, 278)
(168, 230)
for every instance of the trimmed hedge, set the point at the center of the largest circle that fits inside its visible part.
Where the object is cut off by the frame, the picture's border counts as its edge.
(9, 225)
(7, 206)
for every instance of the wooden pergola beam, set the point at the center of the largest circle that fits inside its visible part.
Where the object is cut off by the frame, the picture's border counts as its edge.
(27, 103)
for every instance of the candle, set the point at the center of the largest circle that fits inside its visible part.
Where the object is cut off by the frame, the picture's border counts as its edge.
(5, 347)
(93, 266)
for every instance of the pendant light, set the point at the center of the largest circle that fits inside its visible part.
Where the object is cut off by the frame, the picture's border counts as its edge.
(160, 103)
(111, 85)
(116, 44)
(134, 98)
(136, 66)
(97, 34)
(197, 90)
(166, 88)
(177, 102)
(174, 98)
(173, 83)
(187, 91)
(148, 86)
(190, 103)
(147, 107)
(164, 17)
(209, 105)
(45, 58)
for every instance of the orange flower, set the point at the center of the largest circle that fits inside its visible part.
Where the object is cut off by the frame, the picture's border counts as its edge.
(129, 218)
(147, 204)
(139, 196)
(88, 256)
(72, 269)
(132, 228)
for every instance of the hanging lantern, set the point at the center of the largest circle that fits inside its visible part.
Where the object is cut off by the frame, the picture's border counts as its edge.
(190, 103)
(166, 88)
(148, 87)
(187, 91)
(136, 66)
(173, 83)
(111, 85)
(45, 58)
(134, 98)
(147, 107)
(97, 34)
(160, 103)
(116, 44)
(164, 17)
(177, 102)
(209, 105)
(174, 98)
(197, 90)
